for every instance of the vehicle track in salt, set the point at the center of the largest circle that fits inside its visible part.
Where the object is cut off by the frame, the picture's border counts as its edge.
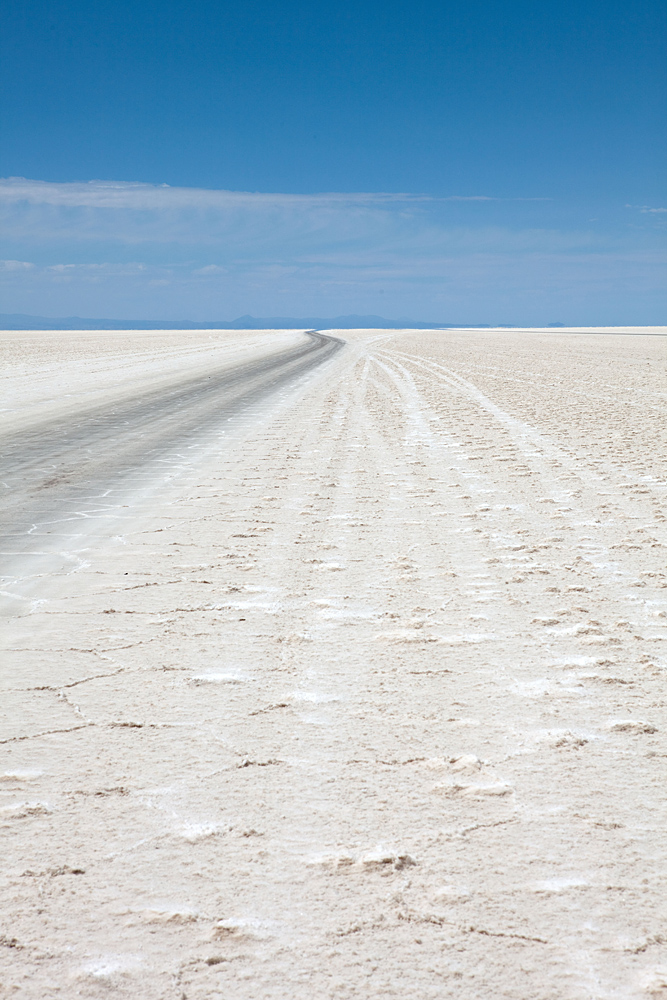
(86, 460)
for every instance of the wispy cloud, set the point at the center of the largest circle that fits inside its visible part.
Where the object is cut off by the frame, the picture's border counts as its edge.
(123, 249)
(123, 194)
(647, 210)
(243, 224)
(12, 266)
(142, 213)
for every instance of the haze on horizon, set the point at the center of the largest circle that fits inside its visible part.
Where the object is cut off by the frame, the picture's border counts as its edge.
(458, 163)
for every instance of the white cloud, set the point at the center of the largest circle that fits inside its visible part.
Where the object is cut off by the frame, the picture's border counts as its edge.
(211, 269)
(515, 287)
(124, 194)
(140, 250)
(251, 222)
(15, 265)
(146, 214)
(647, 210)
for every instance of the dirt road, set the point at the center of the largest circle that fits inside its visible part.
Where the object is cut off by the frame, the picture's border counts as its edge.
(356, 692)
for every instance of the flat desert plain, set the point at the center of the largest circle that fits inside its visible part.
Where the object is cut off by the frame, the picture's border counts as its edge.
(334, 665)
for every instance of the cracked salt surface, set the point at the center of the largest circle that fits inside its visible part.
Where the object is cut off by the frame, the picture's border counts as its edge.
(258, 740)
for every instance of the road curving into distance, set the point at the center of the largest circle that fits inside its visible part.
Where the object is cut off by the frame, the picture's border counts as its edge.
(47, 466)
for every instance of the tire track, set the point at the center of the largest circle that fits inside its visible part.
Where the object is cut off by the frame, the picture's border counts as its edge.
(86, 463)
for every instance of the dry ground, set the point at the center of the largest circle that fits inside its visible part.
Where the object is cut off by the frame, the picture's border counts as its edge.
(363, 698)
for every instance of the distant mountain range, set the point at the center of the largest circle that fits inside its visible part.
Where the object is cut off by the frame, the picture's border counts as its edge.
(19, 321)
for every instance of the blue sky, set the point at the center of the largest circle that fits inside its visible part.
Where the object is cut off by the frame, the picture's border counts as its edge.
(456, 162)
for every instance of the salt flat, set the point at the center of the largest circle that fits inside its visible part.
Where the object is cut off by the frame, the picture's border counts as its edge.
(355, 690)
